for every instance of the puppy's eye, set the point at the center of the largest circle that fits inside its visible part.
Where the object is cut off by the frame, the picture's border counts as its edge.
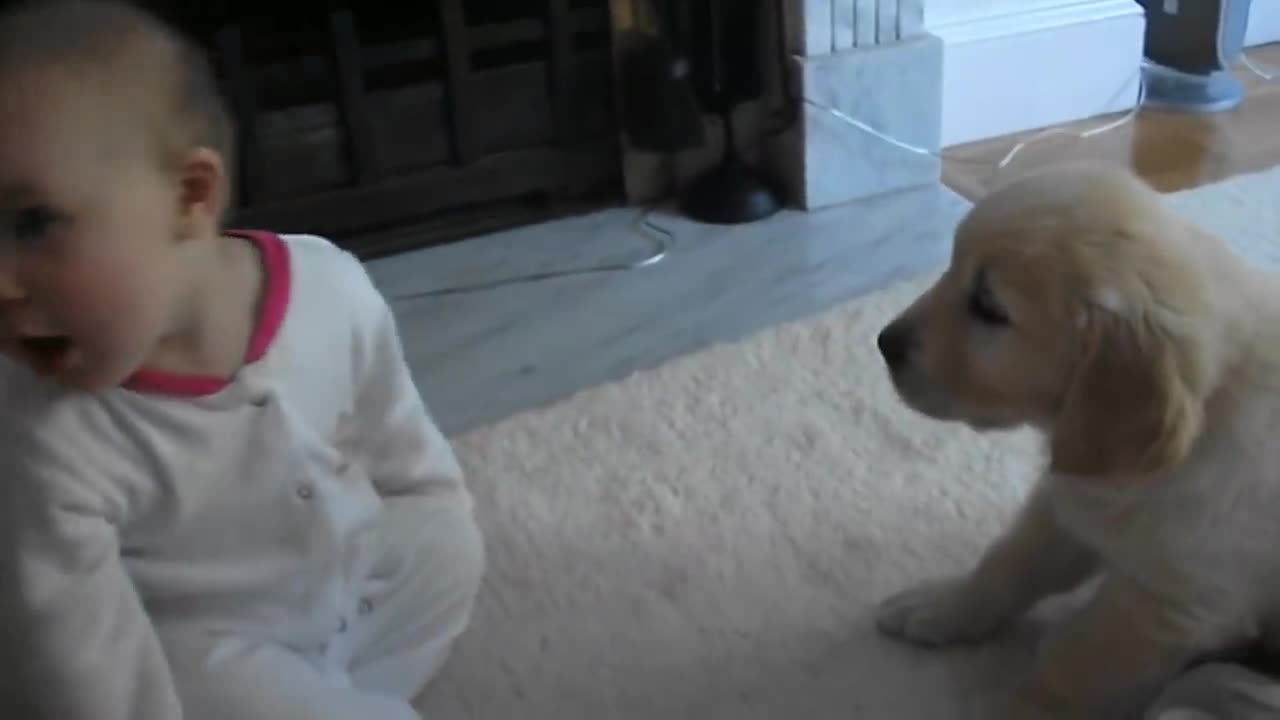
(32, 224)
(984, 307)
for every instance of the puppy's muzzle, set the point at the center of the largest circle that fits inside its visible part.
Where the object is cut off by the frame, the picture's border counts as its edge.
(895, 342)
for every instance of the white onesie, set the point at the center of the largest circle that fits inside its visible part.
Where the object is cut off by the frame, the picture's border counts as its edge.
(296, 543)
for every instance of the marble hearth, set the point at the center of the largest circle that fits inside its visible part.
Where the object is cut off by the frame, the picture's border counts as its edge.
(874, 62)
(870, 60)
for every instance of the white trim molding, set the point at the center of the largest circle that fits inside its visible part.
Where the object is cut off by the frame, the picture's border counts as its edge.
(1045, 63)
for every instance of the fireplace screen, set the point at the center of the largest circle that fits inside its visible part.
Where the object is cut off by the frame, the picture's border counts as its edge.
(392, 126)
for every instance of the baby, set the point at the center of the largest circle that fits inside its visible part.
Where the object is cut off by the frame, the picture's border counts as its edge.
(223, 495)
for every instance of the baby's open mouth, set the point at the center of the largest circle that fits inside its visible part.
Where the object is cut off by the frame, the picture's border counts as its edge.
(48, 354)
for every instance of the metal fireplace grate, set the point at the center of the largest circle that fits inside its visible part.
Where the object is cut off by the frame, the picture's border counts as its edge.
(391, 127)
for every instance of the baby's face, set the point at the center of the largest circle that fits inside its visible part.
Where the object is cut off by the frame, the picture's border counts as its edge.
(89, 276)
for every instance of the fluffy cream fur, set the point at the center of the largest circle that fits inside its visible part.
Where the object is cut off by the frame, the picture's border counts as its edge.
(1148, 354)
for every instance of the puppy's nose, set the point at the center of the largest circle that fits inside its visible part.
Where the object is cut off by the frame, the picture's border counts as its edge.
(895, 342)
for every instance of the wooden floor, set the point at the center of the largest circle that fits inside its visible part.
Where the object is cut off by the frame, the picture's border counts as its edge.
(1172, 151)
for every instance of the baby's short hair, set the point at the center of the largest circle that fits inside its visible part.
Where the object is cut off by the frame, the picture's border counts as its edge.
(130, 49)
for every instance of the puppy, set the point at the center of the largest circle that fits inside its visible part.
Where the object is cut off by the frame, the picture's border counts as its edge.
(1147, 355)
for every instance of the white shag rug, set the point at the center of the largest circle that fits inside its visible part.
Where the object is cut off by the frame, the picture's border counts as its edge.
(708, 539)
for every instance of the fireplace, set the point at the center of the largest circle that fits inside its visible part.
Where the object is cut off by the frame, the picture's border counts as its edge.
(390, 127)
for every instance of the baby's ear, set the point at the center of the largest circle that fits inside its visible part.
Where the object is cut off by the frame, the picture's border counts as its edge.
(202, 190)
(1135, 405)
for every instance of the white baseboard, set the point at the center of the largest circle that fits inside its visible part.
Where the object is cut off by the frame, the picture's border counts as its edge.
(1264, 23)
(1020, 71)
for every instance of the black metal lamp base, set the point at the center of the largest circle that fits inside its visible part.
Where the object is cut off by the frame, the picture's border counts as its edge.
(731, 193)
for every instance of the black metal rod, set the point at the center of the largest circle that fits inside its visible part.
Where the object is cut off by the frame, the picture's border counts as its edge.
(357, 136)
(241, 92)
(457, 55)
(560, 67)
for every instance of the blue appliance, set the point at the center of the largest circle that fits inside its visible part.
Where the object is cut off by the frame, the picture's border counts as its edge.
(1190, 48)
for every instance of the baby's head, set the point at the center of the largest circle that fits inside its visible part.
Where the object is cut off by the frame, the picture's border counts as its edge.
(115, 174)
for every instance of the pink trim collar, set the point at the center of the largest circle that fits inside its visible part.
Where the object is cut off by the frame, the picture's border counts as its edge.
(277, 280)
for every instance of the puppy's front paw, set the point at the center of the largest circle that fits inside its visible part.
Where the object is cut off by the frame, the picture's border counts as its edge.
(935, 614)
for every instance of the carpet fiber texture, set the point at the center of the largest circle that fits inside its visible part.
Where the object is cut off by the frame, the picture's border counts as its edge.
(708, 539)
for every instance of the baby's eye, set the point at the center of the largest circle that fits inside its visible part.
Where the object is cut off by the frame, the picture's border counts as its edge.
(32, 224)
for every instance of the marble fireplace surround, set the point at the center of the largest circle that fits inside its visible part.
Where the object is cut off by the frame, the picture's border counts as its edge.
(871, 60)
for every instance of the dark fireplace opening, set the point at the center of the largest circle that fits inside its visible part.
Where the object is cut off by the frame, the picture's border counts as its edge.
(391, 127)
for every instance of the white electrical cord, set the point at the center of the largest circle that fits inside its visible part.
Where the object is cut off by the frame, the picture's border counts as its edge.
(662, 239)
(1129, 116)
(1017, 148)
(1265, 74)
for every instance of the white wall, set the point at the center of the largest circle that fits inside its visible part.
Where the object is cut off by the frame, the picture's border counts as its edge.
(948, 12)
(1264, 15)
(1016, 65)
(1264, 22)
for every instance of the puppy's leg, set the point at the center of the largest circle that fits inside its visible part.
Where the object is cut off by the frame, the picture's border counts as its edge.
(1034, 559)
(1111, 658)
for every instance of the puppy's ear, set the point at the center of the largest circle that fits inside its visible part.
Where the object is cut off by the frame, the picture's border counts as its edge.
(1136, 402)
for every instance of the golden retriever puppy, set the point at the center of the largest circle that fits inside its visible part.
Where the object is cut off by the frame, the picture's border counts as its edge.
(1147, 353)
